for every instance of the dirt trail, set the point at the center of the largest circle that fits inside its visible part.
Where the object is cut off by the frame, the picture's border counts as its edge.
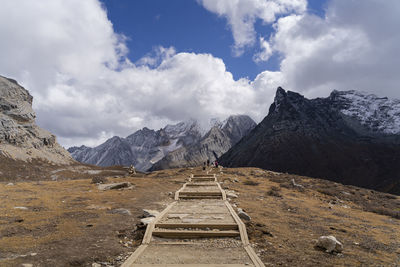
(200, 228)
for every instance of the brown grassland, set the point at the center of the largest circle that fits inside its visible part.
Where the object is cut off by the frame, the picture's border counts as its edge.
(69, 222)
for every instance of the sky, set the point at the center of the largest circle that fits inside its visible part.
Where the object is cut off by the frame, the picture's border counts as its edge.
(99, 68)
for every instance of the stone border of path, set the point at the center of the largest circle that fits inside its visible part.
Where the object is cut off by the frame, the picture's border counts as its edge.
(151, 226)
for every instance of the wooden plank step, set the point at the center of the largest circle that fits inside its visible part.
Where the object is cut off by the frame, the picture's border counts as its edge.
(200, 184)
(221, 226)
(200, 193)
(200, 197)
(193, 265)
(194, 234)
(203, 175)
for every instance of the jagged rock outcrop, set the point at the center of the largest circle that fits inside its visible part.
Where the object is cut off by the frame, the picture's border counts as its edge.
(179, 145)
(142, 148)
(20, 137)
(216, 142)
(348, 137)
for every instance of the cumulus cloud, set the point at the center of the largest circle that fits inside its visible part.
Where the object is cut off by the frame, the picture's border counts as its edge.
(242, 14)
(86, 90)
(344, 50)
(265, 53)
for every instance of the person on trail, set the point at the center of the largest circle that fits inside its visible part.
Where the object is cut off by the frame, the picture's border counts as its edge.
(132, 170)
(216, 164)
(208, 162)
(204, 166)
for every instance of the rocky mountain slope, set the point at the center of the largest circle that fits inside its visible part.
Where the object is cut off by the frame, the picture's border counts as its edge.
(350, 137)
(182, 144)
(216, 142)
(20, 137)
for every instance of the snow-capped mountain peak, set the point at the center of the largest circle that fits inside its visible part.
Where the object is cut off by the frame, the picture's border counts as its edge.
(379, 114)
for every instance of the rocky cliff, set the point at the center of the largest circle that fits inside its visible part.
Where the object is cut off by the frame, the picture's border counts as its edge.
(179, 145)
(20, 137)
(212, 145)
(350, 137)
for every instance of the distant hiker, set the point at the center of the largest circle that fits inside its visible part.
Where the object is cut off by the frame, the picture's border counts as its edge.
(204, 166)
(216, 164)
(132, 170)
(208, 162)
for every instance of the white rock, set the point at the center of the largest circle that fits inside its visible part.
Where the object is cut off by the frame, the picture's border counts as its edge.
(27, 265)
(231, 195)
(96, 265)
(296, 185)
(113, 186)
(121, 211)
(147, 220)
(21, 208)
(330, 244)
(10, 184)
(150, 213)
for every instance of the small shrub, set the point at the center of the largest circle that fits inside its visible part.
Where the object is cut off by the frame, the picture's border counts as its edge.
(384, 211)
(99, 180)
(274, 191)
(250, 182)
(329, 191)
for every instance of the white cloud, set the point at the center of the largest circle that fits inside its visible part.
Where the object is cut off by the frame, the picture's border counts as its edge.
(265, 53)
(86, 90)
(346, 49)
(242, 14)
(158, 55)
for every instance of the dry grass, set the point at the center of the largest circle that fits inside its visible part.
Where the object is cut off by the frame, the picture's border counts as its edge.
(286, 221)
(72, 223)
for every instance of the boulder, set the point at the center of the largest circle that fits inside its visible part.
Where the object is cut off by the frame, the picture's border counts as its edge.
(150, 213)
(121, 211)
(105, 187)
(243, 215)
(231, 194)
(330, 244)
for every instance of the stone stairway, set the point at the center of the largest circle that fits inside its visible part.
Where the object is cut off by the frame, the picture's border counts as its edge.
(200, 228)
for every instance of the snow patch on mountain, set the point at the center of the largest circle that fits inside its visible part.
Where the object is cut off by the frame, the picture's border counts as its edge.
(146, 147)
(379, 114)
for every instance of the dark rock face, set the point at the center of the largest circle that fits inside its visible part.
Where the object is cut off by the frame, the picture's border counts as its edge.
(330, 138)
(179, 145)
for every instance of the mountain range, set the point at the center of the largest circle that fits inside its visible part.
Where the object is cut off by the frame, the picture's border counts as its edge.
(349, 137)
(180, 145)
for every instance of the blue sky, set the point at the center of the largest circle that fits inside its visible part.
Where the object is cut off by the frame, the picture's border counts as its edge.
(187, 26)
